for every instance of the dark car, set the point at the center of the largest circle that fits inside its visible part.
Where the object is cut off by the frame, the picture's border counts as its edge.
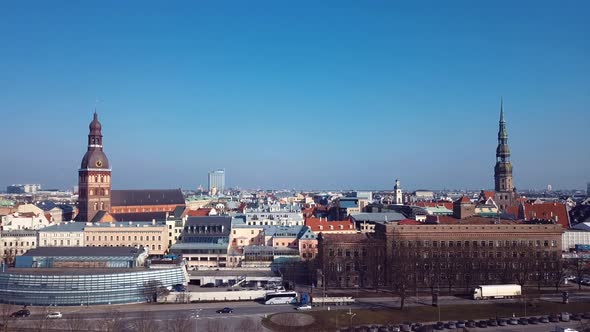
(406, 327)
(513, 321)
(576, 317)
(439, 326)
(179, 288)
(523, 321)
(554, 319)
(544, 319)
(21, 313)
(533, 320)
(225, 311)
(482, 324)
(208, 285)
(492, 322)
(502, 322)
(460, 324)
(586, 315)
(416, 326)
(451, 325)
(471, 323)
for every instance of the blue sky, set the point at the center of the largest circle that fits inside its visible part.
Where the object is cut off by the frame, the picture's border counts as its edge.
(296, 94)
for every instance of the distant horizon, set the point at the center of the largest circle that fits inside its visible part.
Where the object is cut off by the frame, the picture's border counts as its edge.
(308, 95)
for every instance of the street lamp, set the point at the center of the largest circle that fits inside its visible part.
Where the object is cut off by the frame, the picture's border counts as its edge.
(351, 314)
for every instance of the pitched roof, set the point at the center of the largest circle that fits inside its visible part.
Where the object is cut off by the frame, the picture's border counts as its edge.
(445, 204)
(463, 200)
(409, 222)
(556, 212)
(147, 197)
(322, 225)
(346, 238)
(201, 212)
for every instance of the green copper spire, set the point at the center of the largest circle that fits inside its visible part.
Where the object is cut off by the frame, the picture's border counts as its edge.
(502, 132)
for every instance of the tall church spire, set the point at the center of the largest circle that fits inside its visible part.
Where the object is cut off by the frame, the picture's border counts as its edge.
(505, 195)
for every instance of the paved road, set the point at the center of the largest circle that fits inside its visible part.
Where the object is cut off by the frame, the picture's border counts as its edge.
(242, 310)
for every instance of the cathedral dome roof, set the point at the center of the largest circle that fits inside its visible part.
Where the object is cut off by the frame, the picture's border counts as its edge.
(95, 159)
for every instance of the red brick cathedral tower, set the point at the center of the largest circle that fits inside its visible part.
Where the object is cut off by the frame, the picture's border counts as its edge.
(94, 181)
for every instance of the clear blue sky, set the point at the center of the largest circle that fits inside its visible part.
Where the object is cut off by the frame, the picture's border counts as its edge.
(296, 94)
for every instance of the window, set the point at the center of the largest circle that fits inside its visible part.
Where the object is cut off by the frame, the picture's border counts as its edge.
(331, 253)
(339, 252)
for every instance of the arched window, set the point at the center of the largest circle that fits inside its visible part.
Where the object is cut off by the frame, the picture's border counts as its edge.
(96, 206)
(102, 205)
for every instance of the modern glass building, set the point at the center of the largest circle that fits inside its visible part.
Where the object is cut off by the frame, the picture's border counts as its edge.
(65, 287)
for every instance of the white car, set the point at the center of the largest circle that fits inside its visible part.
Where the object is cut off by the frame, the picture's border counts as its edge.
(56, 314)
(304, 307)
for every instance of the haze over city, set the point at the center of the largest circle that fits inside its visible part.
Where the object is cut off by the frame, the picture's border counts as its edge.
(303, 95)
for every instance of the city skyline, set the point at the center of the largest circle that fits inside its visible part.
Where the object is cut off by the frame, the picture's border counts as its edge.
(290, 98)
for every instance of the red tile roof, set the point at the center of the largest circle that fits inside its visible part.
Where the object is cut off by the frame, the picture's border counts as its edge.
(547, 211)
(318, 225)
(463, 200)
(488, 194)
(201, 212)
(409, 222)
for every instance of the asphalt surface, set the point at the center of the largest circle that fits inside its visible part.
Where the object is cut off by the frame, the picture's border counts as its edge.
(202, 312)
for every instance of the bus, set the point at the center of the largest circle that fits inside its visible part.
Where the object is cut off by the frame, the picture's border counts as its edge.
(280, 297)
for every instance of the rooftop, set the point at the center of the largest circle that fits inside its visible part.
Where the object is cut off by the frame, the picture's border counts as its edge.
(65, 227)
(84, 251)
(378, 216)
(147, 197)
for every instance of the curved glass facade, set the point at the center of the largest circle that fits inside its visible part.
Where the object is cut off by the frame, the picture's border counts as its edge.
(61, 288)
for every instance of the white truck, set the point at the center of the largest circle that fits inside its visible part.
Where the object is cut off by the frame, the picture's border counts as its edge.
(483, 292)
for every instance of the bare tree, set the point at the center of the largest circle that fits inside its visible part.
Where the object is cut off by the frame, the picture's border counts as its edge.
(145, 323)
(75, 322)
(153, 289)
(400, 270)
(113, 322)
(182, 322)
(5, 319)
(558, 270)
(579, 267)
(215, 325)
(250, 325)
(42, 323)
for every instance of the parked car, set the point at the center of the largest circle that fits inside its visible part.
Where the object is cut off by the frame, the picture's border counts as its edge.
(439, 326)
(482, 324)
(21, 313)
(451, 325)
(53, 315)
(179, 288)
(586, 315)
(523, 321)
(417, 326)
(208, 285)
(502, 322)
(564, 317)
(225, 310)
(576, 317)
(513, 321)
(460, 324)
(533, 320)
(304, 307)
(554, 319)
(492, 322)
(405, 327)
(544, 319)
(471, 323)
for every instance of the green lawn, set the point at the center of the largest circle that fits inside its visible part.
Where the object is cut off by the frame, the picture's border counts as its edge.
(334, 319)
